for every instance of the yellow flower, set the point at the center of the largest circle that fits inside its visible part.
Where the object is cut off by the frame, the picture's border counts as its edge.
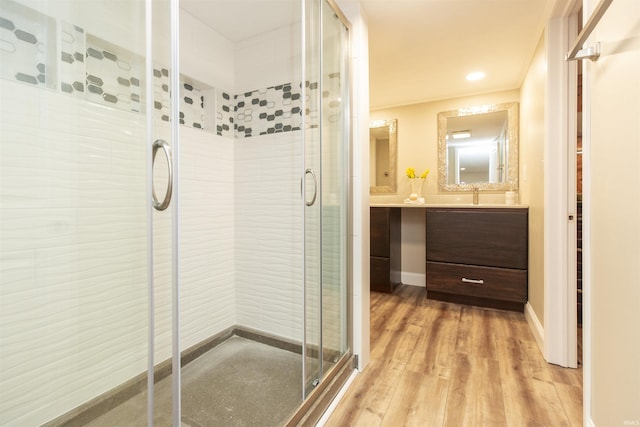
(411, 173)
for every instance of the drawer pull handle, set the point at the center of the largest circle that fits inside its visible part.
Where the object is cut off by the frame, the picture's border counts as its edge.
(473, 281)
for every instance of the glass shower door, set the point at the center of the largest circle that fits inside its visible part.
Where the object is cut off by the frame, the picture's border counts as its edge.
(326, 190)
(312, 196)
(74, 207)
(335, 187)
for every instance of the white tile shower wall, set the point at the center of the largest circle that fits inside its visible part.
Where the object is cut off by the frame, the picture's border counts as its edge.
(73, 253)
(268, 233)
(207, 276)
(207, 249)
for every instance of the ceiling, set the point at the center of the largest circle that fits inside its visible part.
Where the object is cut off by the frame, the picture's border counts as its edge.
(238, 20)
(419, 50)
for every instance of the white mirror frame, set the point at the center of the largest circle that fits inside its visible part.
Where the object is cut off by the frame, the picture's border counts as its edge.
(511, 182)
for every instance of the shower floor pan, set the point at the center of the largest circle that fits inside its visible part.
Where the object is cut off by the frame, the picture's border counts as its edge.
(239, 382)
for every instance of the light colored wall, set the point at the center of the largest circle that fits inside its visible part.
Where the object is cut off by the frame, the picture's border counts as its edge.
(532, 131)
(418, 148)
(612, 210)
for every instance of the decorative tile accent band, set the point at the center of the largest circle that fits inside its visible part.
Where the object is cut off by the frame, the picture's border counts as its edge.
(275, 109)
(92, 69)
(27, 46)
(113, 75)
(72, 65)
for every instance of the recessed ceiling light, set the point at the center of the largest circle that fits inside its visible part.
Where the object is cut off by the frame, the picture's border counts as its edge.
(476, 75)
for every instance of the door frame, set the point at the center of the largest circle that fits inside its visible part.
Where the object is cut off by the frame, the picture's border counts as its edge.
(560, 341)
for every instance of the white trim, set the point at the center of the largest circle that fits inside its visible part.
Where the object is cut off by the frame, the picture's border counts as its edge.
(559, 339)
(571, 201)
(334, 403)
(413, 279)
(534, 324)
(586, 235)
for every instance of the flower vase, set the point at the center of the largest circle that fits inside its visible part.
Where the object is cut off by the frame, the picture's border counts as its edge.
(416, 190)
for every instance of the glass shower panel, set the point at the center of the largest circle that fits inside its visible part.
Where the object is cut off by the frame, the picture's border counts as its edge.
(73, 206)
(162, 395)
(335, 185)
(312, 192)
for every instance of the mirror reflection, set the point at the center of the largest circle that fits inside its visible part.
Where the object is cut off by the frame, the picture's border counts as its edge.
(478, 148)
(382, 156)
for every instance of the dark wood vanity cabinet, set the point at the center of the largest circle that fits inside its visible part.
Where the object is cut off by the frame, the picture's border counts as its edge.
(478, 256)
(385, 249)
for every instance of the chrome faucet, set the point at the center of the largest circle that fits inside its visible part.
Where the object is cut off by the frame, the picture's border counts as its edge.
(476, 195)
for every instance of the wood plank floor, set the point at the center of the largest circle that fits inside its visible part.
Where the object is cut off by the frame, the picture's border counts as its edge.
(440, 364)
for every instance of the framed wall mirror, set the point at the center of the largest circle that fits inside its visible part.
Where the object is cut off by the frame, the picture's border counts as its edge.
(383, 156)
(478, 148)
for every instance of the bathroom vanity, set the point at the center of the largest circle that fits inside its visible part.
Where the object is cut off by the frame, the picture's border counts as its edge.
(385, 250)
(475, 255)
(478, 256)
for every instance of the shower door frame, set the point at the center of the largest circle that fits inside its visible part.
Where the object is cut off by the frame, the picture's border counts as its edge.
(318, 399)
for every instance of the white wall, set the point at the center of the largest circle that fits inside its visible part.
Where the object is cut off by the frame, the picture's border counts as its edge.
(612, 209)
(532, 136)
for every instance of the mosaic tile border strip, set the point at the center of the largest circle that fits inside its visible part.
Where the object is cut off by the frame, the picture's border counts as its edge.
(89, 68)
(113, 75)
(266, 111)
(72, 55)
(28, 46)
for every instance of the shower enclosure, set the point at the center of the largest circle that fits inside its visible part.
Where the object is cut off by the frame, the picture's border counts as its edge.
(174, 211)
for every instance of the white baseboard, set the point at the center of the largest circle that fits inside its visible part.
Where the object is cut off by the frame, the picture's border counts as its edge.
(535, 326)
(413, 279)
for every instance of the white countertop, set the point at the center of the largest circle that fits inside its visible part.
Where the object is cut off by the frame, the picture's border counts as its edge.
(446, 205)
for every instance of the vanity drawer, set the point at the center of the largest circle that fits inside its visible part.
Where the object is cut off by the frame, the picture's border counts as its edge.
(482, 282)
(481, 236)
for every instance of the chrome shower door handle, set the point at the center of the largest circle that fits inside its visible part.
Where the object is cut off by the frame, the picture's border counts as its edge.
(160, 144)
(315, 187)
